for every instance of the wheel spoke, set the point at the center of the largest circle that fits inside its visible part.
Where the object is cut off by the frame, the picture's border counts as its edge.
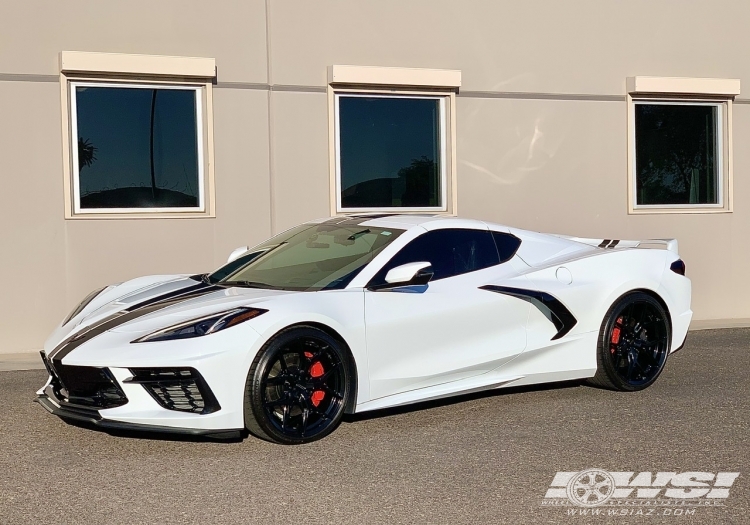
(305, 413)
(328, 390)
(320, 414)
(284, 416)
(330, 369)
(277, 380)
(282, 401)
(631, 367)
(629, 315)
(643, 313)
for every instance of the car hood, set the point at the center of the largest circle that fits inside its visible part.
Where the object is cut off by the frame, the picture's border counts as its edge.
(183, 298)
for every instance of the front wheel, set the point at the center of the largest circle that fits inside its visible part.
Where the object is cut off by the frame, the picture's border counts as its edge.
(634, 343)
(297, 387)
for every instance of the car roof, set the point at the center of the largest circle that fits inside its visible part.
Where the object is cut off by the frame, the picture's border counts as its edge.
(408, 221)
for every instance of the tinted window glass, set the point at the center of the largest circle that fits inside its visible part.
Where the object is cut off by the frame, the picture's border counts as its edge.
(507, 245)
(137, 147)
(308, 258)
(676, 154)
(450, 252)
(389, 152)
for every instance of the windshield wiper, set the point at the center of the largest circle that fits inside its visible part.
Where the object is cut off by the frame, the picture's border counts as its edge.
(247, 284)
(354, 236)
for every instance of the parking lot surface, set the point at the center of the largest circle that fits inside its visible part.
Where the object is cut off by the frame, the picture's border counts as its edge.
(486, 458)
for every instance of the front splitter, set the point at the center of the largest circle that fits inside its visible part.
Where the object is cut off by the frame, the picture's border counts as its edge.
(92, 417)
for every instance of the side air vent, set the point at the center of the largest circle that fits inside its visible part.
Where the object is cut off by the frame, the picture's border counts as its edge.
(549, 305)
(180, 389)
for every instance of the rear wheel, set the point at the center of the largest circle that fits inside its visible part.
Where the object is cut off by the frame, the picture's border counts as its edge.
(297, 387)
(634, 343)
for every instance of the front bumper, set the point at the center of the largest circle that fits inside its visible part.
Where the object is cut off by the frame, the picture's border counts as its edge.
(57, 407)
(209, 401)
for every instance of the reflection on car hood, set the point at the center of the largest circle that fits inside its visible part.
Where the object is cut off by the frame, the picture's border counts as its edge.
(182, 299)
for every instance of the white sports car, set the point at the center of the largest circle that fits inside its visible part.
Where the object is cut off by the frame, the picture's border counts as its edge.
(359, 313)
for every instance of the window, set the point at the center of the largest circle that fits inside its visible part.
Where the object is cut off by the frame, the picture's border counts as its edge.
(680, 153)
(507, 245)
(678, 159)
(392, 139)
(138, 135)
(390, 152)
(308, 258)
(451, 252)
(137, 147)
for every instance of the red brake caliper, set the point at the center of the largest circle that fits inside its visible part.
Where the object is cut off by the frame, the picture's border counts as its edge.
(316, 370)
(615, 335)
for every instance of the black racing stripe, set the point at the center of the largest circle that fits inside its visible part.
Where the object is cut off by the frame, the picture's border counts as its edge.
(548, 304)
(613, 244)
(604, 243)
(169, 295)
(127, 315)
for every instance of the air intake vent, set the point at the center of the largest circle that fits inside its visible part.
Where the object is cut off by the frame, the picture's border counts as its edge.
(84, 386)
(180, 389)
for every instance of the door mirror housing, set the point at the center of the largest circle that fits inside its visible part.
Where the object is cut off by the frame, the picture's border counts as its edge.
(409, 274)
(236, 253)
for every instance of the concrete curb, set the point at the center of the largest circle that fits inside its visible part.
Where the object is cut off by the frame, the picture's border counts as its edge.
(21, 361)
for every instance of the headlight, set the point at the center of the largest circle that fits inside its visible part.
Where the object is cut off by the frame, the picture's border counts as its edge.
(203, 326)
(83, 304)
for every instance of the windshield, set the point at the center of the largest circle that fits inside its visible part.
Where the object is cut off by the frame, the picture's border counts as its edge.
(307, 258)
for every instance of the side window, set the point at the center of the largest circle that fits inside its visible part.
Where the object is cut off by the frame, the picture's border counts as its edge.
(450, 252)
(507, 245)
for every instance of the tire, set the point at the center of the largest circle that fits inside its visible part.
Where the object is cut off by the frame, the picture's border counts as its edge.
(634, 342)
(298, 386)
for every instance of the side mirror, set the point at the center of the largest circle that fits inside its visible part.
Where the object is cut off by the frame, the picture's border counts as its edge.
(236, 253)
(414, 273)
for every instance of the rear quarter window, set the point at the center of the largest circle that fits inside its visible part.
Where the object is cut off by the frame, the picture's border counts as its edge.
(507, 245)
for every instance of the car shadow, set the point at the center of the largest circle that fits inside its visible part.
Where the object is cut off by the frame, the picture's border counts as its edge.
(240, 435)
(235, 436)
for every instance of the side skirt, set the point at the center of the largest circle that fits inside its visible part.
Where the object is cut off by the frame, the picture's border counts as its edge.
(454, 388)
(458, 388)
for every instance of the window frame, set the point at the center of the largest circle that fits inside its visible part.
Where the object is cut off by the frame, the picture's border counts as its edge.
(721, 156)
(442, 142)
(197, 89)
(117, 69)
(376, 81)
(717, 92)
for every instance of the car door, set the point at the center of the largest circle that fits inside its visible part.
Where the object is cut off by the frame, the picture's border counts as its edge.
(449, 329)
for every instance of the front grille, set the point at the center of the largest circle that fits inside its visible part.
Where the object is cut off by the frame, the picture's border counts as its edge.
(180, 389)
(85, 386)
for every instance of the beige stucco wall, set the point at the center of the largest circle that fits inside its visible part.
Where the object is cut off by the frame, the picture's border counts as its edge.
(541, 127)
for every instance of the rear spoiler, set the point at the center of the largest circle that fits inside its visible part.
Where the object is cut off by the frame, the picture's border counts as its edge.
(666, 244)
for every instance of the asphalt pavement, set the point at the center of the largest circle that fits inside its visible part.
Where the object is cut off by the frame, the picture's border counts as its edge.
(486, 458)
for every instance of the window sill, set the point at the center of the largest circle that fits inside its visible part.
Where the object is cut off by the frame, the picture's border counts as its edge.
(660, 211)
(394, 211)
(143, 215)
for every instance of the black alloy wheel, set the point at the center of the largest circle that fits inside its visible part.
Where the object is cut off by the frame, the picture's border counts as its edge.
(297, 387)
(634, 343)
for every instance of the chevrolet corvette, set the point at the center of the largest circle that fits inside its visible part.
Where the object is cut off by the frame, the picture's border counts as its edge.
(350, 314)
